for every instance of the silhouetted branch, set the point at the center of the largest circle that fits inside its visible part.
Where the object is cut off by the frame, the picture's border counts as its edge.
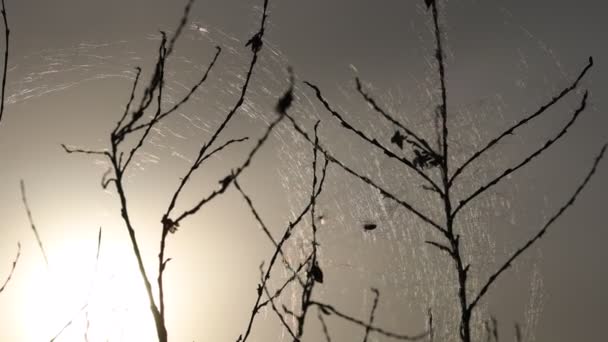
(227, 119)
(431, 327)
(226, 181)
(266, 230)
(524, 121)
(439, 55)
(276, 310)
(98, 248)
(256, 307)
(294, 275)
(128, 106)
(328, 309)
(180, 27)
(7, 32)
(70, 150)
(441, 247)
(420, 142)
(371, 315)
(194, 167)
(372, 141)
(278, 250)
(106, 180)
(541, 232)
(323, 325)
(157, 78)
(12, 271)
(32, 225)
(256, 214)
(426, 158)
(366, 179)
(531, 157)
(314, 273)
(67, 325)
(187, 96)
(162, 57)
(130, 122)
(118, 135)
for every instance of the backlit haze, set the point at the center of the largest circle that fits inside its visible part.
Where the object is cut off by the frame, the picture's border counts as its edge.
(71, 68)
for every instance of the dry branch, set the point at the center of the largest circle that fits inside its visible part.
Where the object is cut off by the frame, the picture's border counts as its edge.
(427, 158)
(529, 159)
(524, 121)
(12, 271)
(541, 232)
(121, 156)
(7, 33)
(32, 225)
(329, 309)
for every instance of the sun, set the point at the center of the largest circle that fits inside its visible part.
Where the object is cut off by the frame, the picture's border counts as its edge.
(78, 296)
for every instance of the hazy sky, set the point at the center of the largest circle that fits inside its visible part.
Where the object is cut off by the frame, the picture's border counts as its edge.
(70, 72)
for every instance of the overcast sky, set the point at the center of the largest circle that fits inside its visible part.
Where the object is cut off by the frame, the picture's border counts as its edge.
(69, 76)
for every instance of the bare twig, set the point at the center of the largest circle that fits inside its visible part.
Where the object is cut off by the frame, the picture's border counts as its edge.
(276, 310)
(294, 276)
(372, 313)
(131, 98)
(441, 247)
(70, 150)
(524, 121)
(187, 97)
(258, 218)
(431, 327)
(530, 158)
(69, 323)
(195, 166)
(374, 104)
(286, 235)
(160, 67)
(180, 27)
(121, 157)
(32, 225)
(227, 180)
(228, 117)
(7, 32)
(314, 273)
(323, 325)
(366, 179)
(85, 307)
(10, 274)
(540, 233)
(328, 309)
(371, 141)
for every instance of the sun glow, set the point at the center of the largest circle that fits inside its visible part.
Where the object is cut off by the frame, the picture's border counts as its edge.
(104, 300)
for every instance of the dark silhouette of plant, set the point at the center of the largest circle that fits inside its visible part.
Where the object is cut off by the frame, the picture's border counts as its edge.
(131, 133)
(7, 32)
(14, 265)
(133, 124)
(431, 165)
(30, 218)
